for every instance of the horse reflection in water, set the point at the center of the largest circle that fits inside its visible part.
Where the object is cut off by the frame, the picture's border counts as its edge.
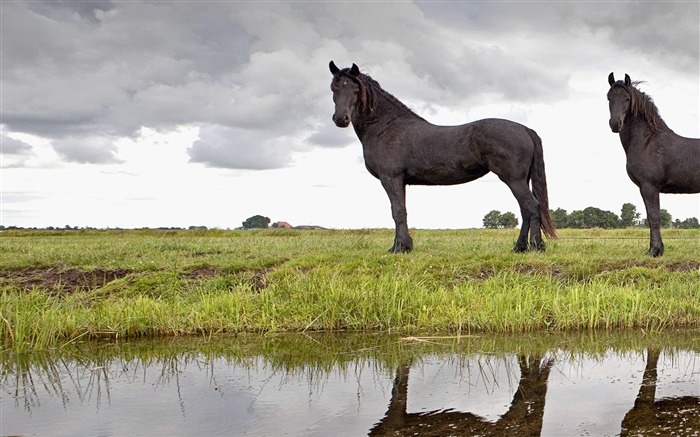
(523, 418)
(678, 416)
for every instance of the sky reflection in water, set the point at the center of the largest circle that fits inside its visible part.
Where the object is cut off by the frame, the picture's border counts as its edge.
(202, 393)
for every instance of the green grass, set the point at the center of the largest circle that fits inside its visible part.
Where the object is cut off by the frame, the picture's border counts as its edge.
(60, 287)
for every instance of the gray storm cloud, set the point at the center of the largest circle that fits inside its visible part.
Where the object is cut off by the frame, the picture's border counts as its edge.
(254, 78)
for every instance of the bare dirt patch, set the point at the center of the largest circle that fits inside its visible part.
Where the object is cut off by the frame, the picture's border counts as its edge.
(201, 273)
(568, 273)
(59, 280)
(63, 281)
(687, 266)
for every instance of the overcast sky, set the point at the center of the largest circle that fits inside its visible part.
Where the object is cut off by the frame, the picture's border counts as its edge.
(176, 113)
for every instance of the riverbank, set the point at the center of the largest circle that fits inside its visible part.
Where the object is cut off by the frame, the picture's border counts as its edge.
(62, 287)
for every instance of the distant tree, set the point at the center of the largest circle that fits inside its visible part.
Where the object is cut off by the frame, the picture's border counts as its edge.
(666, 219)
(256, 222)
(494, 220)
(605, 219)
(560, 217)
(689, 223)
(508, 220)
(491, 220)
(592, 217)
(597, 218)
(629, 216)
(575, 220)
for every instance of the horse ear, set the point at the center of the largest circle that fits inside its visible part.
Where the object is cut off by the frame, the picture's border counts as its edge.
(611, 79)
(354, 71)
(628, 81)
(333, 68)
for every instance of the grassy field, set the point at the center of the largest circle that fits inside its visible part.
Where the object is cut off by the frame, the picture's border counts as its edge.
(61, 287)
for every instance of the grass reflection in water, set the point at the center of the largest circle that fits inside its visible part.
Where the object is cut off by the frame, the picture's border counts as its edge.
(358, 384)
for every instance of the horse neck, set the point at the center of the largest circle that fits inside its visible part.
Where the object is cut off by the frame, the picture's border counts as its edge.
(638, 129)
(384, 109)
(634, 132)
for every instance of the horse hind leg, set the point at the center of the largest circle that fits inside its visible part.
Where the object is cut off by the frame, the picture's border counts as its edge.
(521, 244)
(530, 212)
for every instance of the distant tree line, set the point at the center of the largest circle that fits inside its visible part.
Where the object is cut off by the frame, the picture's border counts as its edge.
(592, 217)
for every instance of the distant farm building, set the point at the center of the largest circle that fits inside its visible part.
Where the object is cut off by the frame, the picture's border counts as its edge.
(282, 225)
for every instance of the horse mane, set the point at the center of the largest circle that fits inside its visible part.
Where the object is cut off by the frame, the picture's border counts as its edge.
(643, 107)
(370, 90)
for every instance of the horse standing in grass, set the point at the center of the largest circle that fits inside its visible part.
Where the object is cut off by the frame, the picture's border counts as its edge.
(401, 148)
(658, 159)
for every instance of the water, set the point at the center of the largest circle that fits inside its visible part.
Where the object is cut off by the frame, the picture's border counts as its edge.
(352, 385)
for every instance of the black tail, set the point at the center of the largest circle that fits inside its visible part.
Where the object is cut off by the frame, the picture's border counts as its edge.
(539, 187)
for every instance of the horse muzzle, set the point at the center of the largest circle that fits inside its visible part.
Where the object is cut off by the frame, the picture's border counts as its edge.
(615, 125)
(342, 120)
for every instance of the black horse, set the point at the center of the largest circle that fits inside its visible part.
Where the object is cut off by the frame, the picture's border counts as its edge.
(401, 148)
(658, 159)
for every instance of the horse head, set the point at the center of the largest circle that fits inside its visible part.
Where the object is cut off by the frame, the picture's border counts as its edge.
(619, 101)
(346, 93)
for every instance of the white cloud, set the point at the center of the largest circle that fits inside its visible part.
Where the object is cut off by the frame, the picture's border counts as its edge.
(220, 146)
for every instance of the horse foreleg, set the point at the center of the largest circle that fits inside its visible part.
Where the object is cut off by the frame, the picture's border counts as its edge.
(650, 195)
(396, 190)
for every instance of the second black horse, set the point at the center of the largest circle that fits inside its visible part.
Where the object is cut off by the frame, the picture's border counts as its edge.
(658, 159)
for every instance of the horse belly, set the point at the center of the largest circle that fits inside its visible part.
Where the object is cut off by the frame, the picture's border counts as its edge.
(448, 174)
(682, 184)
(679, 189)
(431, 155)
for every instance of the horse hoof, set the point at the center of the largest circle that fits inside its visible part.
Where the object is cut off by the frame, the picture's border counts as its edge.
(520, 249)
(655, 252)
(400, 248)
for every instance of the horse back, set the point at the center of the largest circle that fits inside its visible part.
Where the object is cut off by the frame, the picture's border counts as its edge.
(427, 154)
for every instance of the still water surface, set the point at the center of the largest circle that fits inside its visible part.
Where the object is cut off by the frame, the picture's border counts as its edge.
(353, 385)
